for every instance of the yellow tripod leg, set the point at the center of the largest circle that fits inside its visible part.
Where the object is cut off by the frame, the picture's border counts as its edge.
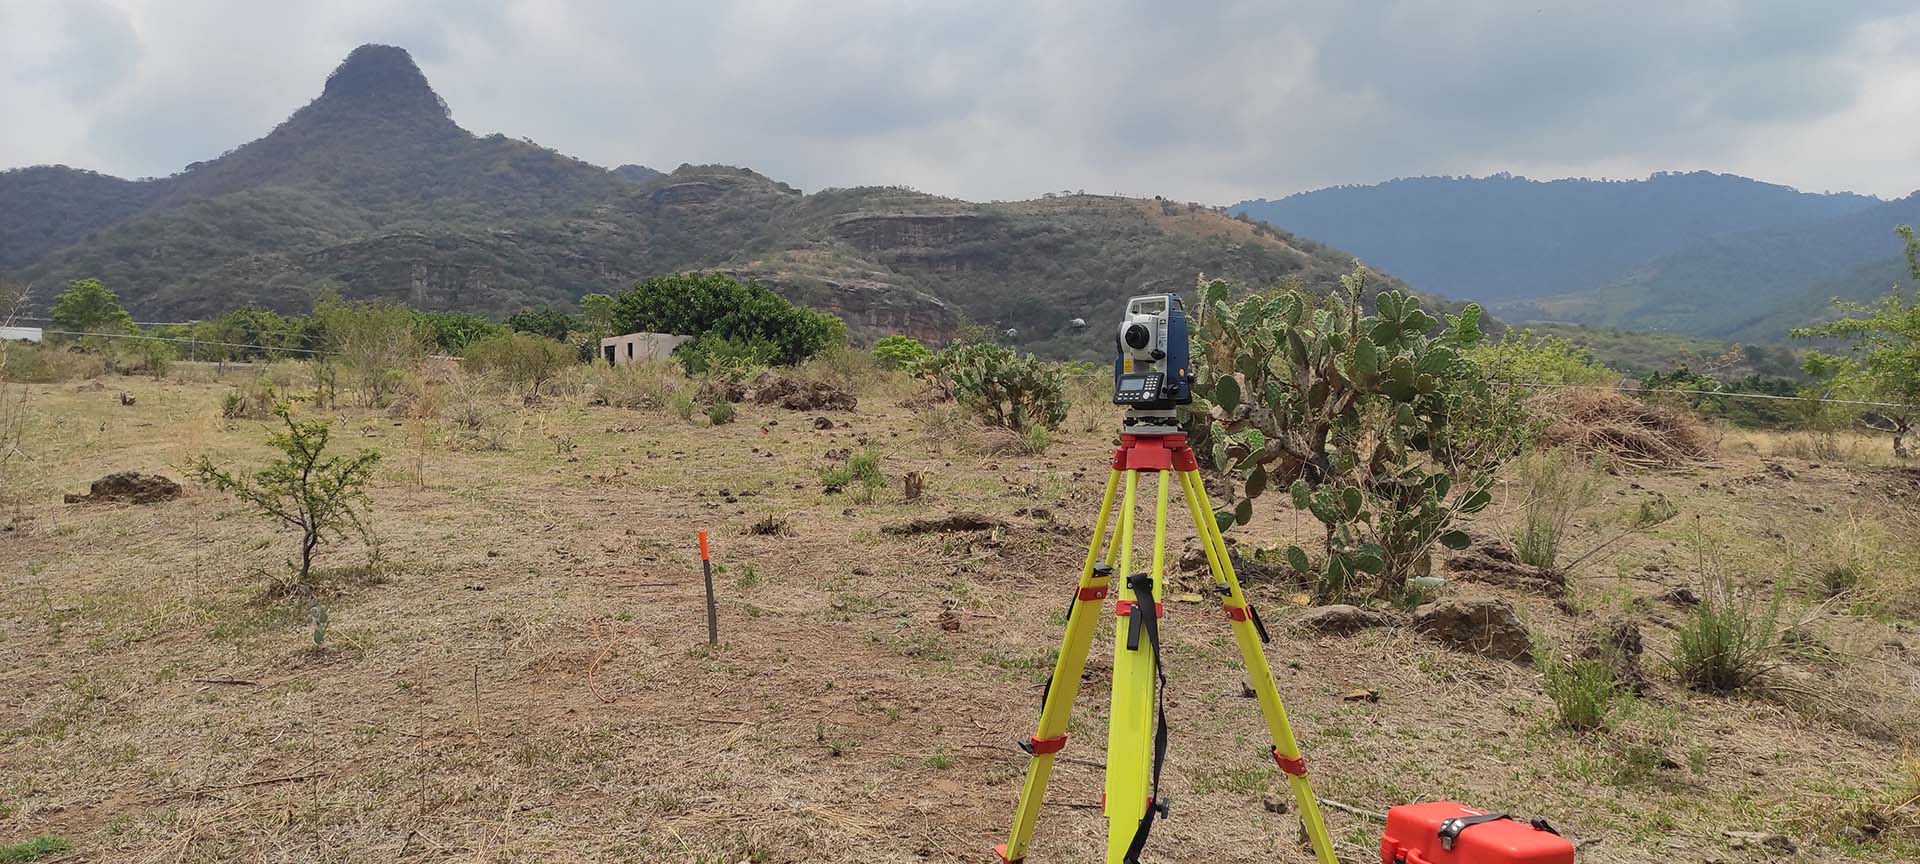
(1130, 723)
(1286, 749)
(1127, 756)
(1065, 683)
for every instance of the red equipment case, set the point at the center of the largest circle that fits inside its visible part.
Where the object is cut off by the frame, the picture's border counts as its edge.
(1445, 832)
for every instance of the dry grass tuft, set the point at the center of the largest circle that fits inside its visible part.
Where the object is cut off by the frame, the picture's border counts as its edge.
(1626, 431)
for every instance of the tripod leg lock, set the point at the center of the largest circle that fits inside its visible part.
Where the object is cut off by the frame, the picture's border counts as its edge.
(1093, 592)
(1297, 766)
(1044, 746)
(1236, 613)
(1124, 608)
(1001, 850)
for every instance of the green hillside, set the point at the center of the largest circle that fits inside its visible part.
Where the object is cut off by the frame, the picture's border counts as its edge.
(1506, 238)
(373, 190)
(1751, 285)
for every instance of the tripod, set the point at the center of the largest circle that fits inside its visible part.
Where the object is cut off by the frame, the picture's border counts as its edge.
(1136, 731)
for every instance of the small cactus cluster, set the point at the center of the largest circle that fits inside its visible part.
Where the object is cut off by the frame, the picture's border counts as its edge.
(1356, 415)
(1002, 387)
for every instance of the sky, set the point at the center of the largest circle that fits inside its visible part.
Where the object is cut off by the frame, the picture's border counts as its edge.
(989, 100)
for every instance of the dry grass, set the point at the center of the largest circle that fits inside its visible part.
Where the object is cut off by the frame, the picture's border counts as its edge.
(531, 681)
(1627, 431)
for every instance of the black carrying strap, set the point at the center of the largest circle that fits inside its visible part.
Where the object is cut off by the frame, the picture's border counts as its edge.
(1450, 829)
(1145, 618)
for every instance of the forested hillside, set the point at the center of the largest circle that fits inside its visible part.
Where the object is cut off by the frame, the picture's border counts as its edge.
(372, 189)
(1505, 238)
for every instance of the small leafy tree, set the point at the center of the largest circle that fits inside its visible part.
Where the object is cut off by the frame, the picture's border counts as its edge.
(88, 307)
(716, 306)
(998, 386)
(377, 343)
(453, 332)
(319, 496)
(545, 321)
(899, 352)
(520, 358)
(1884, 365)
(1384, 433)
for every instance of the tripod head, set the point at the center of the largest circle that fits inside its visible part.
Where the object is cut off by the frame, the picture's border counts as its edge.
(1152, 371)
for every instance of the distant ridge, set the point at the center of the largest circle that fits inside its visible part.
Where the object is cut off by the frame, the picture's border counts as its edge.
(1505, 238)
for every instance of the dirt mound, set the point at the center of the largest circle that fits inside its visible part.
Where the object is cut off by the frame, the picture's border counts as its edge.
(955, 522)
(1629, 432)
(1343, 619)
(1486, 627)
(130, 487)
(1489, 560)
(796, 395)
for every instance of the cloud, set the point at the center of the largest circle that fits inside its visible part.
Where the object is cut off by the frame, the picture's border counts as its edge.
(1000, 99)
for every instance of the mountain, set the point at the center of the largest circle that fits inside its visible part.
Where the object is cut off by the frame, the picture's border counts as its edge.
(1751, 285)
(373, 190)
(1504, 238)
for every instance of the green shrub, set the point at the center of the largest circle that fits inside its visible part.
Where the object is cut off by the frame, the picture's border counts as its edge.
(545, 321)
(1525, 357)
(32, 363)
(455, 332)
(680, 404)
(519, 358)
(1583, 691)
(1729, 641)
(319, 496)
(1557, 485)
(864, 468)
(33, 850)
(714, 305)
(899, 352)
(720, 412)
(726, 358)
(377, 343)
(998, 386)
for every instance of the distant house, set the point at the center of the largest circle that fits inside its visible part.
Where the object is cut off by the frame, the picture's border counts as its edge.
(20, 334)
(639, 347)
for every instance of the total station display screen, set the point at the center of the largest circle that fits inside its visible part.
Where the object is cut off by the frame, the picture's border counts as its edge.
(1128, 385)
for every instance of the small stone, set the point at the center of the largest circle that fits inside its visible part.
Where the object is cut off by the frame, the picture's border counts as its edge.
(1682, 596)
(1274, 803)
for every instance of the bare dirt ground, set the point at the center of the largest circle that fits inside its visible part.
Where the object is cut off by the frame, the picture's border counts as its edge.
(523, 675)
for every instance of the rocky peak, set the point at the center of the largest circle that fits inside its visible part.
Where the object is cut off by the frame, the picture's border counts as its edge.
(380, 80)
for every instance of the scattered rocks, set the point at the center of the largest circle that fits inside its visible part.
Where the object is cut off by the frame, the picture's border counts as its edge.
(792, 394)
(913, 485)
(127, 398)
(943, 524)
(129, 487)
(1481, 626)
(1761, 841)
(1342, 619)
(1780, 471)
(1683, 597)
(949, 621)
(1489, 560)
(822, 423)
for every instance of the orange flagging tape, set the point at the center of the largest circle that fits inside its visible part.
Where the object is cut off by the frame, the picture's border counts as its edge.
(703, 546)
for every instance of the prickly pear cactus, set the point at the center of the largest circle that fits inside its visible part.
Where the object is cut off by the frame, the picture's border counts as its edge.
(1352, 414)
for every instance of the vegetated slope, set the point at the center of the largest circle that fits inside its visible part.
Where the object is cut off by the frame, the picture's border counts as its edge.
(1749, 285)
(1504, 238)
(372, 190)
(45, 207)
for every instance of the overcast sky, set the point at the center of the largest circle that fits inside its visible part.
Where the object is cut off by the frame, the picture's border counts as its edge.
(1210, 101)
